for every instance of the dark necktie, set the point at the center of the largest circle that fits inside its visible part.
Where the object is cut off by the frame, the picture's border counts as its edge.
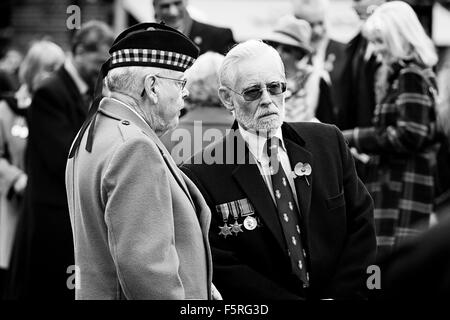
(288, 213)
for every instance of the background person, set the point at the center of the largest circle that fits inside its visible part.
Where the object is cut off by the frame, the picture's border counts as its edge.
(205, 110)
(402, 139)
(41, 60)
(207, 37)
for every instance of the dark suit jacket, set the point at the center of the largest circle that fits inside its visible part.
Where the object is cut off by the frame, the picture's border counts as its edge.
(338, 218)
(338, 72)
(211, 38)
(56, 114)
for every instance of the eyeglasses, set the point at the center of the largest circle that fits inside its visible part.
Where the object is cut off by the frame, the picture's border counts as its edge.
(181, 81)
(255, 92)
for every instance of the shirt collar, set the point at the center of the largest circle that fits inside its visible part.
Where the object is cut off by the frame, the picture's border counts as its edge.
(257, 142)
(72, 71)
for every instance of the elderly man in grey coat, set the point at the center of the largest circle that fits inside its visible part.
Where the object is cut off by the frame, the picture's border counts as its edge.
(140, 225)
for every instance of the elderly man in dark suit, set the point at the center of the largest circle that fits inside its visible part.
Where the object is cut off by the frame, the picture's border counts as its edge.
(290, 218)
(205, 36)
(59, 107)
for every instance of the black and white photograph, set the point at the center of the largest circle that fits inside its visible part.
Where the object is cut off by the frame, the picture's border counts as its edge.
(236, 157)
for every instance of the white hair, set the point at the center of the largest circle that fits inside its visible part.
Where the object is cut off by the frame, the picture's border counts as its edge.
(244, 51)
(130, 80)
(203, 78)
(398, 25)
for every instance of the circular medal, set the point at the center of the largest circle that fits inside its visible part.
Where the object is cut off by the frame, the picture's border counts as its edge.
(250, 223)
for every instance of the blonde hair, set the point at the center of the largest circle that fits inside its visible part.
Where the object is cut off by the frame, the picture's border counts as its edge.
(398, 25)
(42, 58)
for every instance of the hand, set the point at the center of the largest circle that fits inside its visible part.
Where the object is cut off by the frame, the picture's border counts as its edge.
(20, 184)
(348, 135)
(215, 293)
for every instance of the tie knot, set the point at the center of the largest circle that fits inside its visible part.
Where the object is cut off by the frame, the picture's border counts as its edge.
(272, 145)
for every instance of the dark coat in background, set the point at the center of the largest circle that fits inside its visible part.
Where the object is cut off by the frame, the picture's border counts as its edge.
(46, 245)
(335, 64)
(336, 206)
(357, 86)
(211, 38)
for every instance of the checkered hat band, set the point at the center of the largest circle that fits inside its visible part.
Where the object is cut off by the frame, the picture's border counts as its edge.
(150, 56)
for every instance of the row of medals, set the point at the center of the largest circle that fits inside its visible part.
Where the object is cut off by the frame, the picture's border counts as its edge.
(250, 223)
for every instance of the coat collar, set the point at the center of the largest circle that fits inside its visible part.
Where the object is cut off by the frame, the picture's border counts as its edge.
(115, 109)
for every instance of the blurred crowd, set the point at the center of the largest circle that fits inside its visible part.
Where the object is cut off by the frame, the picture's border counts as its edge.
(387, 90)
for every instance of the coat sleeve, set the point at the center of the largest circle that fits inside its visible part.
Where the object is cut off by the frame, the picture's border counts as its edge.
(8, 172)
(229, 268)
(359, 251)
(50, 131)
(139, 219)
(413, 125)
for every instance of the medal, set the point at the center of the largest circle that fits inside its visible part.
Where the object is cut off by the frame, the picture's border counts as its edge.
(236, 227)
(303, 170)
(250, 223)
(225, 230)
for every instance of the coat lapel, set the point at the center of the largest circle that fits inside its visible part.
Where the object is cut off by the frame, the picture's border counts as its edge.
(249, 178)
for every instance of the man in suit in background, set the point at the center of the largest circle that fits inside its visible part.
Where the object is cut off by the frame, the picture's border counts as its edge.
(290, 218)
(329, 54)
(59, 107)
(205, 36)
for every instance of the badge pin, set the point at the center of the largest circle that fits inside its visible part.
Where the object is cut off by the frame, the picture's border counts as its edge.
(303, 170)
(250, 223)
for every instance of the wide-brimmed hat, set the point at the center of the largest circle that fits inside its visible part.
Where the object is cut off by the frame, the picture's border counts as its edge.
(293, 32)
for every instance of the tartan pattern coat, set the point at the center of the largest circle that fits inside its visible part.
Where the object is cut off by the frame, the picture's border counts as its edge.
(402, 144)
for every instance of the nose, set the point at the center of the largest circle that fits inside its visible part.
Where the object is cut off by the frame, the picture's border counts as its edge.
(266, 99)
(185, 93)
(173, 10)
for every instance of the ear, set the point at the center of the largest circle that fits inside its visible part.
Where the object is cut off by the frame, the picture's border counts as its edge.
(226, 98)
(151, 88)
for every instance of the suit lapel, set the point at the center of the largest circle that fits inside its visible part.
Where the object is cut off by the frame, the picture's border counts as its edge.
(249, 178)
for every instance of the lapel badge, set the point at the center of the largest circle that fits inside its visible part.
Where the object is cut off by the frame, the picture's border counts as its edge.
(198, 40)
(303, 170)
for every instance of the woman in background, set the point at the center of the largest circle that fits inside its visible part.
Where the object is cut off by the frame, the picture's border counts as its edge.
(42, 58)
(402, 142)
(308, 95)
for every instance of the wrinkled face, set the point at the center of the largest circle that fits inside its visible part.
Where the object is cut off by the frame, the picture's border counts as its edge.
(364, 8)
(172, 12)
(171, 96)
(90, 62)
(267, 112)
